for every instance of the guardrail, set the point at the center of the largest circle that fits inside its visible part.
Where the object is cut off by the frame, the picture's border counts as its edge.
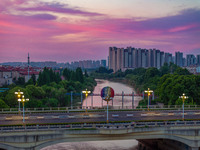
(101, 126)
(79, 108)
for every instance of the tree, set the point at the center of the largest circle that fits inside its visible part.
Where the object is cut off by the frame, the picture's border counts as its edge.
(139, 71)
(181, 71)
(79, 75)
(21, 81)
(61, 97)
(33, 77)
(11, 97)
(30, 82)
(165, 69)
(172, 67)
(48, 76)
(52, 102)
(86, 74)
(3, 104)
(73, 76)
(49, 91)
(67, 74)
(35, 92)
(151, 72)
(34, 103)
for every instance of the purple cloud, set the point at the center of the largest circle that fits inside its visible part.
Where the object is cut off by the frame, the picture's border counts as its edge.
(43, 17)
(185, 18)
(57, 7)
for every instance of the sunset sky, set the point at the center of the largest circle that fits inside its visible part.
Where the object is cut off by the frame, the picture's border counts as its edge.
(72, 30)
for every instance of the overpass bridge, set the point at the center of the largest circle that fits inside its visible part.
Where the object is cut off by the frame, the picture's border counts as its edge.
(183, 135)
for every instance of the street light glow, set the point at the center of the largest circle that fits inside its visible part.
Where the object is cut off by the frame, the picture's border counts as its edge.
(19, 93)
(86, 92)
(183, 97)
(149, 94)
(23, 100)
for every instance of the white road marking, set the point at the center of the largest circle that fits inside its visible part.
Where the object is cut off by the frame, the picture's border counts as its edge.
(115, 115)
(55, 117)
(40, 117)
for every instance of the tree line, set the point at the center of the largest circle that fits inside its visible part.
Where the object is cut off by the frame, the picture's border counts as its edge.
(169, 82)
(49, 90)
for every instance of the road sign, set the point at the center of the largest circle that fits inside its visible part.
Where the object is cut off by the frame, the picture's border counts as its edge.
(107, 93)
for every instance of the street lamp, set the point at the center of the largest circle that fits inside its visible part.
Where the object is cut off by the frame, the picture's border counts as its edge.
(86, 92)
(23, 100)
(19, 94)
(149, 94)
(183, 98)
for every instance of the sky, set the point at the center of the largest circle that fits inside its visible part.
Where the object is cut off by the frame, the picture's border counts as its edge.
(73, 30)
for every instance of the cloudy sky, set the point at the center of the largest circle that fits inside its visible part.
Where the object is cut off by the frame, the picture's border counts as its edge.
(70, 30)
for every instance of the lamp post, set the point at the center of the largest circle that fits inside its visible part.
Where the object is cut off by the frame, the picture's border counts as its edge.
(183, 98)
(86, 92)
(149, 93)
(23, 100)
(19, 94)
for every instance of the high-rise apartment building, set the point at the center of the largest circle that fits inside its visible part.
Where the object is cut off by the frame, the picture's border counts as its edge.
(130, 58)
(116, 56)
(135, 58)
(112, 58)
(191, 60)
(103, 63)
(150, 62)
(162, 58)
(144, 58)
(157, 58)
(179, 59)
(168, 58)
(198, 60)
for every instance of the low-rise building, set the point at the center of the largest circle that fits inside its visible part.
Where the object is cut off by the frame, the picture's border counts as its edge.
(10, 74)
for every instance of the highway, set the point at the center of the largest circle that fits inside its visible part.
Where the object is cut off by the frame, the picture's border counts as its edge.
(42, 118)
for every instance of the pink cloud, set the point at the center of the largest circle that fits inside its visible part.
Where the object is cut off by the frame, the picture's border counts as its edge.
(59, 8)
(36, 34)
(182, 28)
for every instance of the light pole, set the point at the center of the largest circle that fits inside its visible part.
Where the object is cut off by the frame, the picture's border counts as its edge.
(149, 93)
(183, 98)
(86, 92)
(23, 100)
(19, 94)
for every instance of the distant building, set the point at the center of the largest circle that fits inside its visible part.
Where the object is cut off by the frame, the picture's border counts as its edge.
(184, 62)
(198, 70)
(150, 55)
(198, 60)
(192, 69)
(130, 58)
(191, 60)
(179, 59)
(103, 63)
(9, 74)
(168, 58)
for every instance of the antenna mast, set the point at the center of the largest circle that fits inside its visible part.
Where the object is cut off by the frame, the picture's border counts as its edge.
(28, 65)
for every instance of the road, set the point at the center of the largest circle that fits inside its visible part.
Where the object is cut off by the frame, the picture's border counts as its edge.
(8, 119)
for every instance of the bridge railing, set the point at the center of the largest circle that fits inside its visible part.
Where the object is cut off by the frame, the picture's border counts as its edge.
(101, 126)
(82, 108)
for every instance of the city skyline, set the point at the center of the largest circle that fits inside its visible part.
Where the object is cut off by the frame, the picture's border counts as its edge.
(131, 58)
(82, 30)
